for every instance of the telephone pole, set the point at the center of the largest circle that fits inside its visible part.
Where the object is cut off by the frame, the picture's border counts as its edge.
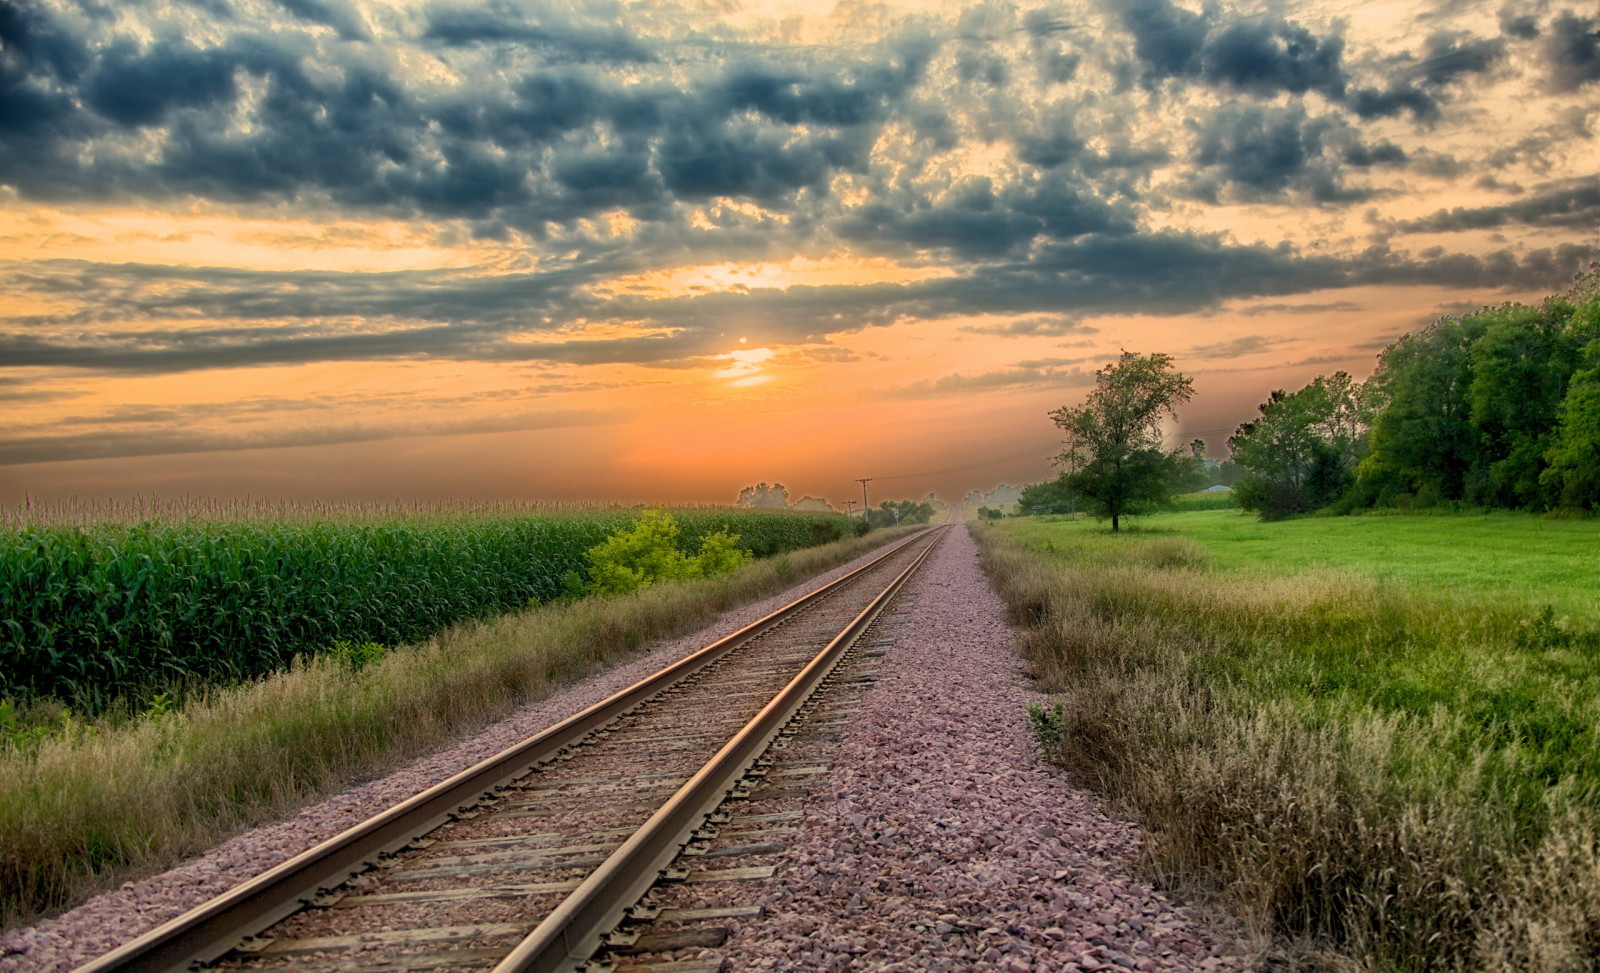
(866, 511)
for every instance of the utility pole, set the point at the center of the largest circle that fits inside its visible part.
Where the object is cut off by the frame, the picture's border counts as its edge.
(866, 511)
(849, 508)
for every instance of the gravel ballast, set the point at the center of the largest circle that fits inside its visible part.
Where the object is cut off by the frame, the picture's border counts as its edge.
(938, 840)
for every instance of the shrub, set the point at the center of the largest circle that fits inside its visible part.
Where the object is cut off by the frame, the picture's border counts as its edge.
(648, 553)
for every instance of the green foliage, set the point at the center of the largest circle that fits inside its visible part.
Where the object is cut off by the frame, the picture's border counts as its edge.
(1572, 478)
(1114, 458)
(775, 496)
(1220, 500)
(1301, 454)
(649, 552)
(892, 513)
(356, 656)
(1049, 726)
(1049, 497)
(1481, 408)
(104, 612)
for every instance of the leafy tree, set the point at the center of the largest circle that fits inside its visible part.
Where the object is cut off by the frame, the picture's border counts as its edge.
(1520, 369)
(1572, 478)
(892, 512)
(1114, 459)
(1054, 496)
(1190, 473)
(811, 503)
(763, 495)
(1423, 443)
(1301, 454)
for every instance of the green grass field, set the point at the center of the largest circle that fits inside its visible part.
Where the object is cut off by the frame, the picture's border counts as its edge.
(1377, 735)
(1529, 559)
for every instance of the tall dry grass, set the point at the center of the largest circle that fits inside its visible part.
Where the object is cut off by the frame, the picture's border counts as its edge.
(1315, 750)
(106, 803)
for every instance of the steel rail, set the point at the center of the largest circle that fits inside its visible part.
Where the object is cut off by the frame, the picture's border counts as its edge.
(214, 927)
(576, 928)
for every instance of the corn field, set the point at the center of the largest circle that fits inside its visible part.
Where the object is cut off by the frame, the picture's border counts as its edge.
(97, 613)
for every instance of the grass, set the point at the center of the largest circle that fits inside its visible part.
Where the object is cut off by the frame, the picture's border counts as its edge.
(99, 803)
(1383, 754)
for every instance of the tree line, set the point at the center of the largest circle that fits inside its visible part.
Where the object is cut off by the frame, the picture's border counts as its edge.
(1496, 409)
(889, 513)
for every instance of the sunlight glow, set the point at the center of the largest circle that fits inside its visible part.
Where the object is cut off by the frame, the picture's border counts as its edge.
(746, 366)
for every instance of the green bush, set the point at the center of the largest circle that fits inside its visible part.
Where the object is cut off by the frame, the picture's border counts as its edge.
(649, 552)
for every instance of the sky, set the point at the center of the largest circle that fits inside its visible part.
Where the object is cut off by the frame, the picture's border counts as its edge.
(657, 251)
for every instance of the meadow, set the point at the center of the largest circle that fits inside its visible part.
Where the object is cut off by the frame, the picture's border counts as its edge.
(87, 802)
(1376, 737)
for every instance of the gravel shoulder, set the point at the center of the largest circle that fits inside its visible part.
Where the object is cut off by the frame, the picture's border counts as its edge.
(938, 840)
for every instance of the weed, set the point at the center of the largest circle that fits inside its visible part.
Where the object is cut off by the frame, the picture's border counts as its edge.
(1049, 726)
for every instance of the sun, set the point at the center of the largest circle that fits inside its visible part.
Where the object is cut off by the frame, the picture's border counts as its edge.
(744, 366)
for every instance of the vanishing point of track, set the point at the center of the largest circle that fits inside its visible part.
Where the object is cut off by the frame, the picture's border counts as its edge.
(534, 859)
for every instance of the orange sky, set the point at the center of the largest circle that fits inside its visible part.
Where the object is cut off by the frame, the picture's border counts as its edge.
(516, 250)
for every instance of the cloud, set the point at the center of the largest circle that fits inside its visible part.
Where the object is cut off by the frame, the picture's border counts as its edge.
(1450, 55)
(1572, 205)
(113, 443)
(1572, 51)
(1241, 346)
(1253, 152)
(1022, 376)
(1257, 55)
(1030, 326)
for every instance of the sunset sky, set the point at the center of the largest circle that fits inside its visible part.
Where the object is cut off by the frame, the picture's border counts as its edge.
(658, 251)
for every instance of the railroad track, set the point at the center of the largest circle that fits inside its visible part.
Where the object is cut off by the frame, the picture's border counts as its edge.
(536, 859)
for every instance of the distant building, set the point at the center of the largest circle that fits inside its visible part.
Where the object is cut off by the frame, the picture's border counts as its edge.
(1219, 488)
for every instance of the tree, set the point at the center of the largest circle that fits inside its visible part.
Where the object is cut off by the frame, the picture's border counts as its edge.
(812, 503)
(1051, 497)
(1114, 459)
(762, 495)
(1302, 453)
(893, 512)
(1572, 479)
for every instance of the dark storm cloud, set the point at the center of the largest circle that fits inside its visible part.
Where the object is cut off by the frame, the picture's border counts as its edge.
(1576, 205)
(1518, 23)
(338, 14)
(1261, 55)
(1391, 102)
(975, 220)
(286, 115)
(1572, 50)
(1261, 151)
(1449, 56)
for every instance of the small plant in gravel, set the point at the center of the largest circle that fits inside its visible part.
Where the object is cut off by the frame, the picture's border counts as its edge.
(1049, 726)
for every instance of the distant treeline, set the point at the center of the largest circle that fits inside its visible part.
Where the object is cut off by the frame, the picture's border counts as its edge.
(1495, 409)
